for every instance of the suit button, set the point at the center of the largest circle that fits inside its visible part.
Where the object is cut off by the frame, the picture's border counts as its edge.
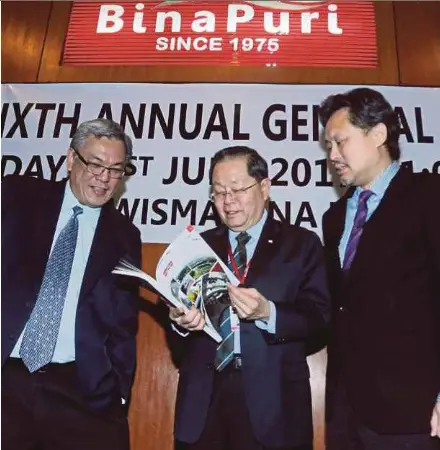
(342, 309)
(11, 337)
(28, 305)
(210, 366)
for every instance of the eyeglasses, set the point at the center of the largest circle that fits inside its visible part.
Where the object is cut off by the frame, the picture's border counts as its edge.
(216, 196)
(98, 169)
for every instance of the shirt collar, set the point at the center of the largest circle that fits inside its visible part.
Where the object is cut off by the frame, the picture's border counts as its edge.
(254, 231)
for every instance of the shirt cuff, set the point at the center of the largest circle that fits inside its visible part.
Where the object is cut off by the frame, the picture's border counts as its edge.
(270, 324)
(438, 397)
(179, 330)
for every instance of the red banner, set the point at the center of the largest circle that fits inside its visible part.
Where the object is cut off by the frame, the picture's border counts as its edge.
(257, 33)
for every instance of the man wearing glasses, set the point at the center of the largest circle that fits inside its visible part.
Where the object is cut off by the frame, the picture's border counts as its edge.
(68, 325)
(252, 391)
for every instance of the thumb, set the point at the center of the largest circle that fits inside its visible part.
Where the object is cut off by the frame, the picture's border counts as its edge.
(434, 423)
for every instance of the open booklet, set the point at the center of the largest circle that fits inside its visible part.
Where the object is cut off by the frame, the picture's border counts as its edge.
(189, 273)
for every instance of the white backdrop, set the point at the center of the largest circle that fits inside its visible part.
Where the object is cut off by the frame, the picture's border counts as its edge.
(178, 127)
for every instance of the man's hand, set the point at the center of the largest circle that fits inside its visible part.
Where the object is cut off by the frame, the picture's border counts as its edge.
(435, 421)
(249, 303)
(191, 320)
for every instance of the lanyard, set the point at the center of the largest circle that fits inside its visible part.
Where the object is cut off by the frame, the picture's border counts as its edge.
(241, 276)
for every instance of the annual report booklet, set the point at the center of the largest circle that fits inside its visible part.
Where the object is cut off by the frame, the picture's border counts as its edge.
(189, 273)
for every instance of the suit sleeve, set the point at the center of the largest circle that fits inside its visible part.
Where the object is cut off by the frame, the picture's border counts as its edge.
(309, 312)
(122, 340)
(431, 216)
(6, 197)
(10, 193)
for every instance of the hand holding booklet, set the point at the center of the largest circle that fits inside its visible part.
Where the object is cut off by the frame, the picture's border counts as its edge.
(188, 274)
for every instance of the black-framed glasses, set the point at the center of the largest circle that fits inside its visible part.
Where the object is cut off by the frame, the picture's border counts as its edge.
(98, 169)
(216, 196)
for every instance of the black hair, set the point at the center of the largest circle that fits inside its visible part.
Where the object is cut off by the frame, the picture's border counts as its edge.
(256, 164)
(366, 108)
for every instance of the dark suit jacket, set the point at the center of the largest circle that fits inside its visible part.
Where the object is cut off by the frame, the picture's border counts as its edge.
(106, 318)
(287, 268)
(385, 334)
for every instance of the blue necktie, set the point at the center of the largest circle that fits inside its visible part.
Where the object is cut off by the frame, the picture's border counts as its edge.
(225, 351)
(356, 231)
(42, 329)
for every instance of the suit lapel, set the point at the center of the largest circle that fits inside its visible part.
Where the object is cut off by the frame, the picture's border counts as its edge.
(267, 247)
(219, 242)
(378, 226)
(336, 227)
(40, 236)
(104, 252)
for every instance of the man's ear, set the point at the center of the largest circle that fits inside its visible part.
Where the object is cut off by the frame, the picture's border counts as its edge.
(265, 187)
(70, 158)
(379, 134)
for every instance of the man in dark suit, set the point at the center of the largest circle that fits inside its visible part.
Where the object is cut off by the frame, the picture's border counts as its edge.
(257, 395)
(382, 245)
(68, 326)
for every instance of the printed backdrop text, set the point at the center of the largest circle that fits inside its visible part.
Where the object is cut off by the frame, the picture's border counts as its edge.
(176, 129)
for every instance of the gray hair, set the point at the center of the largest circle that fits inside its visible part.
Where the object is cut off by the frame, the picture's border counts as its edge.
(101, 128)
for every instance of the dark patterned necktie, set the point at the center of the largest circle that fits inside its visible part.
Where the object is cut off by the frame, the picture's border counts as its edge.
(42, 329)
(240, 255)
(356, 231)
(225, 351)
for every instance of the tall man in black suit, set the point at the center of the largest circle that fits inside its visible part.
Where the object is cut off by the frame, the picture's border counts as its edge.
(68, 327)
(382, 245)
(256, 395)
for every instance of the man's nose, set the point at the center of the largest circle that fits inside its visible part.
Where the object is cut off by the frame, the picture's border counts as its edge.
(105, 175)
(229, 197)
(334, 153)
